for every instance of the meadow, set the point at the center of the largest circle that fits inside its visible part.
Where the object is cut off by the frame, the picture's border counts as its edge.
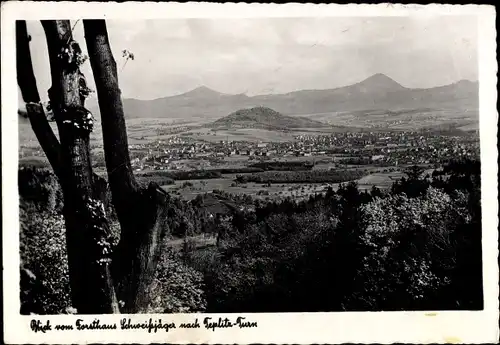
(382, 178)
(404, 119)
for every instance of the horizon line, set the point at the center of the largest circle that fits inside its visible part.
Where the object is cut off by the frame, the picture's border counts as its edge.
(298, 90)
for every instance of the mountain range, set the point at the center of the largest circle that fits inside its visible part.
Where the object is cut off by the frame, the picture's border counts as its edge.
(378, 92)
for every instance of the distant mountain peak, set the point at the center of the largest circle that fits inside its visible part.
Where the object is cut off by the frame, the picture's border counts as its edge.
(380, 75)
(380, 80)
(203, 88)
(202, 91)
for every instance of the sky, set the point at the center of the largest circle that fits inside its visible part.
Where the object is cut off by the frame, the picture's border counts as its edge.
(278, 55)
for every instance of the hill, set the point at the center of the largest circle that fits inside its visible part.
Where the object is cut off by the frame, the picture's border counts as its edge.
(265, 118)
(378, 92)
(376, 102)
(200, 103)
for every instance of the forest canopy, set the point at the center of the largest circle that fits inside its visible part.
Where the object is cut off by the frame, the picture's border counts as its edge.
(415, 247)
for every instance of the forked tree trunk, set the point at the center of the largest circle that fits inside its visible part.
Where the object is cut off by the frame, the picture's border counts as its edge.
(87, 230)
(97, 276)
(141, 211)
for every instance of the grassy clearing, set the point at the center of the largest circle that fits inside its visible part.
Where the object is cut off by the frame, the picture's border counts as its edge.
(199, 241)
(277, 191)
(379, 180)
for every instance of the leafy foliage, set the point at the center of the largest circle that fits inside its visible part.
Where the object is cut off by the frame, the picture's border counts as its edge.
(411, 249)
(177, 288)
(40, 187)
(412, 239)
(44, 264)
(417, 246)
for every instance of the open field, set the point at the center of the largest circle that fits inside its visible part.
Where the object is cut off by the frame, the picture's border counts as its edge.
(143, 131)
(404, 119)
(379, 179)
(190, 189)
(255, 190)
(140, 131)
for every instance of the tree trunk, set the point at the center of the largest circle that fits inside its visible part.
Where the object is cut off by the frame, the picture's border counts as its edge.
(141, 211)
(27, 84)
(87, 229)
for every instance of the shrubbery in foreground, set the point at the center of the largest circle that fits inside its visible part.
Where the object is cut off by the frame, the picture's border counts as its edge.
(44, 275)
(45, 285)
(416, 247)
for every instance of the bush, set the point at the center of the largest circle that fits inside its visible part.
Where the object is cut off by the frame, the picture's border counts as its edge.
(189, 245)
(410, 253)
(203, 260)
(177, 288)
(40, 187)
(43, 254)
(187, 184)
(157, 176)
(261, 267)
(45, 287)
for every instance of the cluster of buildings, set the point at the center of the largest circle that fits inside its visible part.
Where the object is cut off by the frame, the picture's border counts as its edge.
(384, 148)
(30, 152)
(393, 148)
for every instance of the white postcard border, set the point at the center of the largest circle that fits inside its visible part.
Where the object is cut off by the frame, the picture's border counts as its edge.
(298, 328)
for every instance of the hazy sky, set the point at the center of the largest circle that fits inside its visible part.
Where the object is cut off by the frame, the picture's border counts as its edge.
(278, 55)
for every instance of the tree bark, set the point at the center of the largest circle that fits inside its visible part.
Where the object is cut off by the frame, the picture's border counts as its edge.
(87, 229)
(141, 211)
(36, 114)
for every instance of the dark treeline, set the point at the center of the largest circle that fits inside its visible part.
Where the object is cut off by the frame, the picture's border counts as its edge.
(310, 176)
(356, 161)
(283, 166)
(180, 175)
(163, 177)
(241, 170)
(416, 246)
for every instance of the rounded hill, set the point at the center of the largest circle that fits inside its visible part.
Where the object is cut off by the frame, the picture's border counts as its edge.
(263, 117)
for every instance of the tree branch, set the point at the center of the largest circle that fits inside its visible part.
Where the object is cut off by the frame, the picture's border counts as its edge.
(120, 175)
(36, 114)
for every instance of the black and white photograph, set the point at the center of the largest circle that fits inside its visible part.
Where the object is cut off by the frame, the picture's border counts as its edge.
(302, 164)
